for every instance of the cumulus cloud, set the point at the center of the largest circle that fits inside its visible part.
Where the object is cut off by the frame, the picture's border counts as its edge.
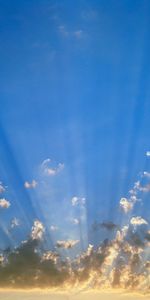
(4, 203)
(126, 205)
(78, 201)
(30, 185)
(136, 221)
(37, 231)
(49, 170)
(67, 244)
(2, 188)
(15, 223)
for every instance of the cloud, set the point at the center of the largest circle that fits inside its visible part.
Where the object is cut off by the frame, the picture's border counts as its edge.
(126, 205)
(67, 244)
(30, 185)
(78, 34)
(146, 174)
(50, 255)
(108, 225)
(53, 228)
(4, 203)
(37, 230)
(136, 221)
(2, 188)
(148, 153)
(78, 201)
(75, 221)
(15, 222)
(49, 170)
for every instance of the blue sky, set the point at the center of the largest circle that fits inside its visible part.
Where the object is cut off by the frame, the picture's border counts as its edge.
(74, 88)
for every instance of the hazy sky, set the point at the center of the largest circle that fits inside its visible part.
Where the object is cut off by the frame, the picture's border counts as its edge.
(64, 296)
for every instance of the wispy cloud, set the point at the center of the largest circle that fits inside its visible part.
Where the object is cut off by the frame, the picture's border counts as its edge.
(15, 223)
(30, 185)
(65, 32)
(49, 170)
(2, 188)
(4, 203)
(78, 201)
(53, 228)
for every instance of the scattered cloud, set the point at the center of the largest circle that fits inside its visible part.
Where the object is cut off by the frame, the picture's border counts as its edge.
(75, 221)
(49, 170)
(4, 203)
(67, 244)
(30, 185)
(148, 153)
(2, 188)
(108, 225)
(136, 221)
(78, 34)
(78, 201)
(37, 230)
(53, 228)
(15, 223)
(126, 205)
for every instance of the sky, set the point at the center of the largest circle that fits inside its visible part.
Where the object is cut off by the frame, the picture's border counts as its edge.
(74, 131)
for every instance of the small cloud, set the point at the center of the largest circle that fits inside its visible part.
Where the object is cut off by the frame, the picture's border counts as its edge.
(78, 34)
(75, 221)
(62, 29)
(49, 170)
(4, 203)
(146, 174)
(67, 244)
(49, 255)
(30, 185)
(136, 221)
(2, 188)
(53, 228)
(78, 201)
(148, 153)
(126, 205)
(15, 223)
(37, 230)
(89, 15)
(108, 225)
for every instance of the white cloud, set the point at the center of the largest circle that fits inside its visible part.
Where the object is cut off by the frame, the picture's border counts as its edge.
(15, 222)
(67, 244)
(138, 221)
(62, 29)
(75, 221)
(4, 203)
(78, 201)
(49, 170)
(53, 228)
(146, 174)
(2, 188)
(30, 185)
(148, 153)
(126, 205)
(37, 230)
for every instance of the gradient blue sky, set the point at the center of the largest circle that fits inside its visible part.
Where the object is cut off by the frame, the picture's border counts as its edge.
(74, 87)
